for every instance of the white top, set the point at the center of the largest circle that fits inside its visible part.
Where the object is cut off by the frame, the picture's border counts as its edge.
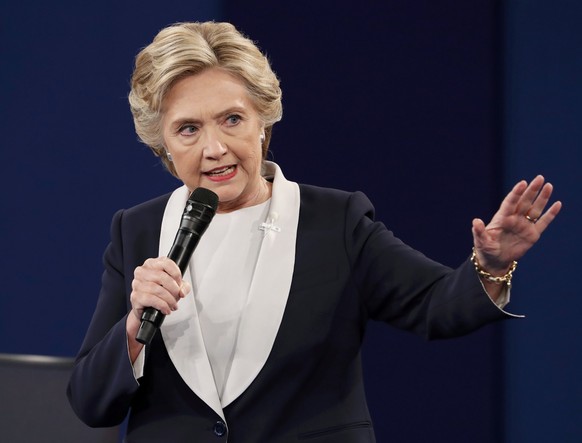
(218, 375)
(222, 270)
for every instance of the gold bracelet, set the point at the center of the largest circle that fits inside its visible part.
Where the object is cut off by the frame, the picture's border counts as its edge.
(487, 276)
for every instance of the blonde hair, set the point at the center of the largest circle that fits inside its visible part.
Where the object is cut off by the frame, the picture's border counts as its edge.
(185, 49)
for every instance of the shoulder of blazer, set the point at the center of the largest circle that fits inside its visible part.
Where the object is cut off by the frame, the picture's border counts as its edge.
(135, 234)
(316, 201)
(329, 201)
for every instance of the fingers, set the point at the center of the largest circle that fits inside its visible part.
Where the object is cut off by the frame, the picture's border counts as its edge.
(548, 217)
(511, 202)
(530, 194)
(185, 289)
(166, 265)
(528, 200)
(533, 202)
(535, 198)
(481, 238)
(478, 230)
(158, 284)
(539, 203)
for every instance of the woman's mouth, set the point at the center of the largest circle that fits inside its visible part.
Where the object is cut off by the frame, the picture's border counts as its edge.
(222, 173)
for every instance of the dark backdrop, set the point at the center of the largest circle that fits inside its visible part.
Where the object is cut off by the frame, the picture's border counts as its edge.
(543, 133)
(401, 99)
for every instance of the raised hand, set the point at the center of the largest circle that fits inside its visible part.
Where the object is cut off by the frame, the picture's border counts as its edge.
(516, 226)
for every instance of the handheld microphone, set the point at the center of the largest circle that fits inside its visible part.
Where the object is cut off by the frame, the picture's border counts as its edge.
(198, 213)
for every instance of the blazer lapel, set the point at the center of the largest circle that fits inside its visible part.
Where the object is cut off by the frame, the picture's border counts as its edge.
(269, 290)
(181, 330)
(263, 312)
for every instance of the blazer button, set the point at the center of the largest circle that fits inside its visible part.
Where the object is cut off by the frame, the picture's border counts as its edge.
(219, 428)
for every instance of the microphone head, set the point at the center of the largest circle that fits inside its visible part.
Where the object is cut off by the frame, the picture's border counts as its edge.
(204, 196)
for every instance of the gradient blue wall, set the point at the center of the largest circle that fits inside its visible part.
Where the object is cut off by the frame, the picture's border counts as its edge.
(71, 157)
(543, 133)
(400, 99)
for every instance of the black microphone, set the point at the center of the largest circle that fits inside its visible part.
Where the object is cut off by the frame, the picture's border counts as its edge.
(198, 213)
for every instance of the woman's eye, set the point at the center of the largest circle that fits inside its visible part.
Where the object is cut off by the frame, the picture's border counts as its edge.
(233, 119)
(188, 130)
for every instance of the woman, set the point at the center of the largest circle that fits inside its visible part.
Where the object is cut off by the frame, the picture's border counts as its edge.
(263, 332)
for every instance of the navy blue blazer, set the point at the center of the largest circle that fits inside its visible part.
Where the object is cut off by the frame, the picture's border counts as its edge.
(348, 270)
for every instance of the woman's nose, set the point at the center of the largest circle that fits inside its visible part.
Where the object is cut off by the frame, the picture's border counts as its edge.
(213, 146)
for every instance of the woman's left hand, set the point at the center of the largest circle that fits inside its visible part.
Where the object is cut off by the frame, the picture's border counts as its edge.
(516, 227)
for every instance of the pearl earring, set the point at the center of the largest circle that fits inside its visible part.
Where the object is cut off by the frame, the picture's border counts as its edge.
(262, 138)
(169, 156)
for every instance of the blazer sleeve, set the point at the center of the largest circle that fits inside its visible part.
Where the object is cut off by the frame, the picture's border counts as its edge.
(401, 286)
(102, 384)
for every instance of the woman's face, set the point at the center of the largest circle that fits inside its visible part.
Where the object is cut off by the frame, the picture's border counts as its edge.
(213, 133)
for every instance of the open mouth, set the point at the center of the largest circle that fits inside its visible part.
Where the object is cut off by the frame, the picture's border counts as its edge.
(226, 170)
(221, 173)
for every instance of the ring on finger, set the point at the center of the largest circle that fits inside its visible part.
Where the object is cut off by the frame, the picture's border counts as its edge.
(531, 219)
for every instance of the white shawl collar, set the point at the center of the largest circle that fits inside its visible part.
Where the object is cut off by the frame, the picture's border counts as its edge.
(263, 312)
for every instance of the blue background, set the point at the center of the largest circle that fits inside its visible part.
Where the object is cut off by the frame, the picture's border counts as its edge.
(433, 109)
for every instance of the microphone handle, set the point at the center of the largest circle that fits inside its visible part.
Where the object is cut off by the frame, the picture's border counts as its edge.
(180, 253)
(198, 214)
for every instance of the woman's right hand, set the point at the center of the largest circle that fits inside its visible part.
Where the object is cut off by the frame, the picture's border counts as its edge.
(157, 284)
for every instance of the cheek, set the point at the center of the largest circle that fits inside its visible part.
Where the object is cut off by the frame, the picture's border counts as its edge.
(253, 162)
(187, 167)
